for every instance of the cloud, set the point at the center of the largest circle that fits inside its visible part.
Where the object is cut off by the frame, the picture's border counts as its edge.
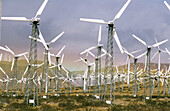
(144, 18)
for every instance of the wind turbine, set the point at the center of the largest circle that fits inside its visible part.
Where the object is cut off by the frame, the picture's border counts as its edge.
(111, 33)
(57, 57)
(159, 64)
(148, 59)
(87, 71)
(47, 45)
(135, 64)
(33, 47)
(5, 80)
(47, 58)
(98, 58)
(165, 82)
(60, 66)
(110, 23)
(167, 5)
(169, 77)
(97, 64)
(128, 63)
(3, 86)
(23, 80)
(14, 64)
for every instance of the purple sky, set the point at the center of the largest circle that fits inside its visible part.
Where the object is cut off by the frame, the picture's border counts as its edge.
(144, 18)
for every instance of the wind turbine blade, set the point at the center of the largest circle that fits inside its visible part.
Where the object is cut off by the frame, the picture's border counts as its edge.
(56, 38)
(83, 52)
(25, 71)
(93, 21)
(1, 80)
(52, 54)
(129, 53)
(121, 11)
(10, 50)
(4, 72)
(87, 55)
(118, 42)
(135, 51)
(35, 39)
(34, 82)
(77, 60)
(41, 8)
(140, 40)
(43, 41)
(99, 37)
(64, 70)
(91, 54)
(2, 48)
(91, 48)
(105, 52)
(141, 55)
(117, 69)
(62, 59)
(83, 61)
(163, 51)
(167, 5)
(34, 75)
(159, 43)
(92, 63)
(154, 55)
(59, 67)
(40, 65)
(16, 18)
(26, 58)
(22, 54)
(53, 66)
(61, 51)
(167, 51)
(64, 81)
(12, 64)
(87, 50)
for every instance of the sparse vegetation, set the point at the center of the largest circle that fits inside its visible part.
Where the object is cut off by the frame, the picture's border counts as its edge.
(87, 103)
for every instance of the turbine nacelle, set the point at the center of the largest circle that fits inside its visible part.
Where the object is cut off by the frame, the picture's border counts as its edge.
(100, 45)
(36, 20)
(111, 23)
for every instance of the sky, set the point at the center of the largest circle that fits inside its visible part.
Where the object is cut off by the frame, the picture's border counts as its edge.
(144, 18)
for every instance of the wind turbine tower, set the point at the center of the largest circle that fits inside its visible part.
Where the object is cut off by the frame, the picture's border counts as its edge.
(111, 33)
(148, 62)
(33, 50)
